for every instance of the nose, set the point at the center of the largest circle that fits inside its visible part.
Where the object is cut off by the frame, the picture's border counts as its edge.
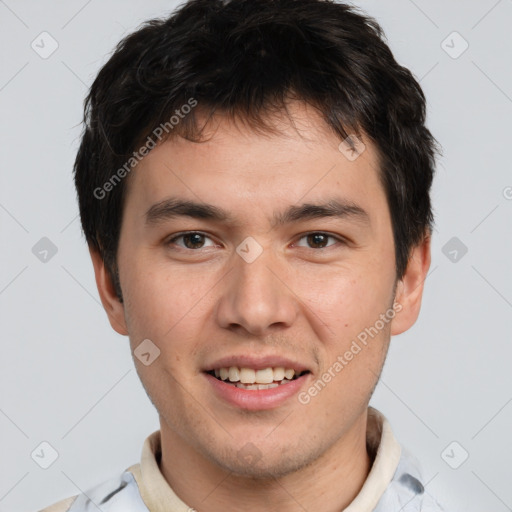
(257, 297)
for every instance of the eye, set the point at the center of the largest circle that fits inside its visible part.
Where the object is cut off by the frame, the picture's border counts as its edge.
(191, 240)
(318, 240)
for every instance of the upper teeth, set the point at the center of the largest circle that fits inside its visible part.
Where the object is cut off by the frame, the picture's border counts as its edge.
(250, 376)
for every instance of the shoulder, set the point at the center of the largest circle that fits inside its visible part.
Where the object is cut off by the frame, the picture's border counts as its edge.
(118, 494)
(406, 491)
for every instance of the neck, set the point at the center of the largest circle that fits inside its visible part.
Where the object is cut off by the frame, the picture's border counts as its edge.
(329, 484)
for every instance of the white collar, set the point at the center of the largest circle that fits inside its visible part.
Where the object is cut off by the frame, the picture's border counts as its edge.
(159, 496)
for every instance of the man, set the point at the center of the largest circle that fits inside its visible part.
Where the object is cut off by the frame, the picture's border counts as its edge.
(253, 181)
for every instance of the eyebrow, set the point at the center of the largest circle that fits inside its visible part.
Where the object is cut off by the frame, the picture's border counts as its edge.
(174, 207)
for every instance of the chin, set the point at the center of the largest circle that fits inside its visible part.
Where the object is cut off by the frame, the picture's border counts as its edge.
(251, 462)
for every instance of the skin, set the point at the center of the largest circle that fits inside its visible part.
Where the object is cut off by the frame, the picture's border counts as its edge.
(297, 300)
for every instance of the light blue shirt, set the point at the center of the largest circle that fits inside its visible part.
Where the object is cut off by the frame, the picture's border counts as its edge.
(394, 484)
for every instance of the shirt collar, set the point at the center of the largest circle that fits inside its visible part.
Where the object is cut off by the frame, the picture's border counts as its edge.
(381, 445)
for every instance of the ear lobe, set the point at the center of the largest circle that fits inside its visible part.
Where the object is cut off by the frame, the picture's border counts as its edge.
(111, 303)
(409, 289)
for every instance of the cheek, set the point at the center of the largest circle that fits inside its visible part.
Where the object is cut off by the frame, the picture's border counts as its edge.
(159, 298)
(353, 348)
(168, 308)
(346, 302)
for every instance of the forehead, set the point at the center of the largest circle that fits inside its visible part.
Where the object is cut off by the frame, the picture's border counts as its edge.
(241, 169)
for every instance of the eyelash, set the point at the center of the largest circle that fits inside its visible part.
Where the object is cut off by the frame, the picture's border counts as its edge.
(181, 235)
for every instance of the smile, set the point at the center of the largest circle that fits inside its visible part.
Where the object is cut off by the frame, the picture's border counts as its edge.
(251, 379)
(266, 388)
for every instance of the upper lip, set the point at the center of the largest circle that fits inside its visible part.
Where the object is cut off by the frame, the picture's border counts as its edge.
(256, 363)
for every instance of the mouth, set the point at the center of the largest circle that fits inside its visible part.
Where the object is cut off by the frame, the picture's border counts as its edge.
(256, 379)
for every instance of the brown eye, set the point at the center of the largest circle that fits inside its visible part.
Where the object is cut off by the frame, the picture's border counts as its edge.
(318, 240)
(192, 240)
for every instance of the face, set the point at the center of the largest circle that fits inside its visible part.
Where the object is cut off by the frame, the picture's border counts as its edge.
(253, 278)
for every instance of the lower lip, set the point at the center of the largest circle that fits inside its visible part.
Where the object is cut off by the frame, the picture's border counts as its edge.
(256, 399)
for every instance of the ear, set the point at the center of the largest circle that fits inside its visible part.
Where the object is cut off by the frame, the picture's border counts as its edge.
(409, 290)
(113, 306)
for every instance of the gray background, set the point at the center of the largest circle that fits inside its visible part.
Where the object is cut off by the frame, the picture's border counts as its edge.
(69, 380)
